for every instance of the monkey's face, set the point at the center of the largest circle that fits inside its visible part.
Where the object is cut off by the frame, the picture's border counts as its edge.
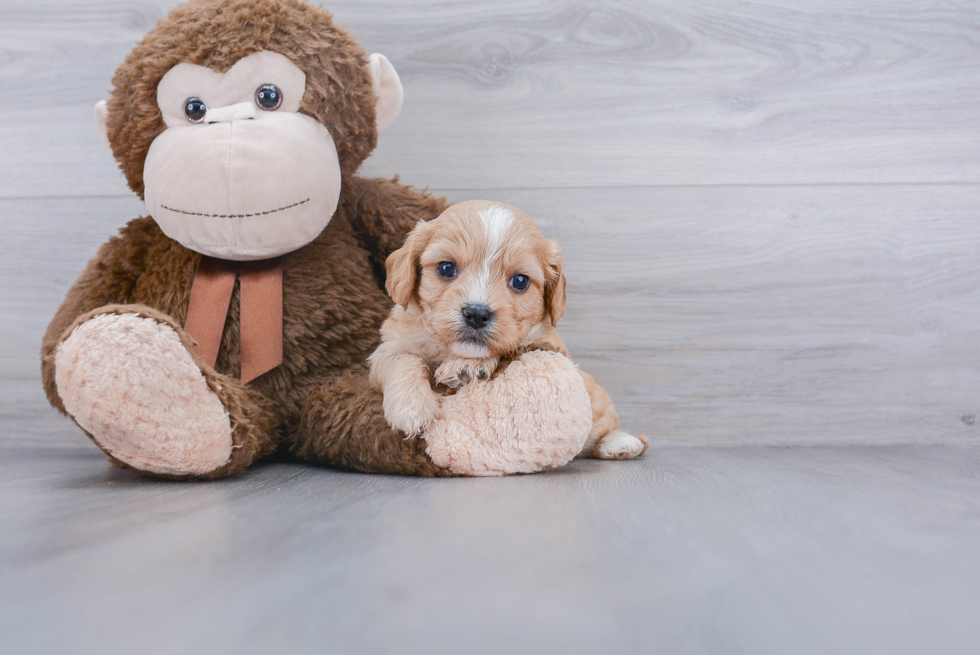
(236, 119)
(239, 173)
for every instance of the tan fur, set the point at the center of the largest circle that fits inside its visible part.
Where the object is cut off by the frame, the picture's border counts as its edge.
(431, 304)
(421, 339)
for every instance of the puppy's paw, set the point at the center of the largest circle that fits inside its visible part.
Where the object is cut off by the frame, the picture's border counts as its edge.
(411, 410)
(456, 373)
(620, 445)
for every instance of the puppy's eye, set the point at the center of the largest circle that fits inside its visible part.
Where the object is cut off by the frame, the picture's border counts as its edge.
(268, 97)
(520, 282)
(446, 270)
(194, 109)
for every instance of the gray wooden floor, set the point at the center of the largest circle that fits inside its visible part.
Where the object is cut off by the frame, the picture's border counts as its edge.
(770, 216)
(725, 550)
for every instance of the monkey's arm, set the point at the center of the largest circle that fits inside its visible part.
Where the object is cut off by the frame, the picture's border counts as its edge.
(108, 279)
(382, 212)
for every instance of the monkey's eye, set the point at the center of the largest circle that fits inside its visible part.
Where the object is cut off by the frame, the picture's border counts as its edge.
(446, 270)
(268, 97)
(520, 282)
(194, 109)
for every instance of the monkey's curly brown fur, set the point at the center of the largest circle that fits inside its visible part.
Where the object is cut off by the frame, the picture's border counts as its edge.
(317, 404)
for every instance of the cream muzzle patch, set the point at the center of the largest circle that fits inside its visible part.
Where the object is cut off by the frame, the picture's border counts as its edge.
(239, 174)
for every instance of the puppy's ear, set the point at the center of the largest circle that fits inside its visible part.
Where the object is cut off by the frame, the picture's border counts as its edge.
(554, 288)
(403, 265)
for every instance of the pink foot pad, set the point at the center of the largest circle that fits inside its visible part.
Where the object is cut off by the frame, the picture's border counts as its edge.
(536, 415)
(130, 383)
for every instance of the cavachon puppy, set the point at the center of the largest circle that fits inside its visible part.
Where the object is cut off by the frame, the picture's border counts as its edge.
(472, 286)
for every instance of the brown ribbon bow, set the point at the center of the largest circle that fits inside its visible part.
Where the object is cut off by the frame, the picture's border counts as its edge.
(260, 317)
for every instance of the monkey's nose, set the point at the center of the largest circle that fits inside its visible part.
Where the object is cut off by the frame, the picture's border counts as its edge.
(477, 316)
(240, 112)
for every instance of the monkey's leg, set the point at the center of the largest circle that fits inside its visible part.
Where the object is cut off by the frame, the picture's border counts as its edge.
(343, 424)
(531, 417)
(126, 375)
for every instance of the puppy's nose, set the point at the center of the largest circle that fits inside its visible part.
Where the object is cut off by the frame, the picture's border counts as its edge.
(477, 316)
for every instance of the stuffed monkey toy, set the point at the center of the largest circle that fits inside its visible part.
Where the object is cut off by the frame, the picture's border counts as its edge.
(235, 319)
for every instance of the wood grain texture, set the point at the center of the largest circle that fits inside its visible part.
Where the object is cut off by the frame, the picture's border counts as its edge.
(801, 550)
(722, 315)
(570, 94)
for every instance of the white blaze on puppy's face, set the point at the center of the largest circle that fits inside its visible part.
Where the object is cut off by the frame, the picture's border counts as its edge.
(496, 221)
(488, 244)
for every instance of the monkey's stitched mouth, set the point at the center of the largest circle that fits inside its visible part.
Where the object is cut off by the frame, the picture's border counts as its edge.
(265, 213)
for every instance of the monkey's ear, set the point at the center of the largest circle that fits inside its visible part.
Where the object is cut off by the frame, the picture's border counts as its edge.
(101, 114)
(402, 266)
(388, 91)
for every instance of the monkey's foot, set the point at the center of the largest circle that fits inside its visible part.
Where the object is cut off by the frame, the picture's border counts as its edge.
(535, 415)
(130, 382)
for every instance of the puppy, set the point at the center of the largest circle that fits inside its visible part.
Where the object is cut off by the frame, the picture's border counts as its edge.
(475, 284)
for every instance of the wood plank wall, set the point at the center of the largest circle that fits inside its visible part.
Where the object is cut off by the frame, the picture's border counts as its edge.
(769, 209)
